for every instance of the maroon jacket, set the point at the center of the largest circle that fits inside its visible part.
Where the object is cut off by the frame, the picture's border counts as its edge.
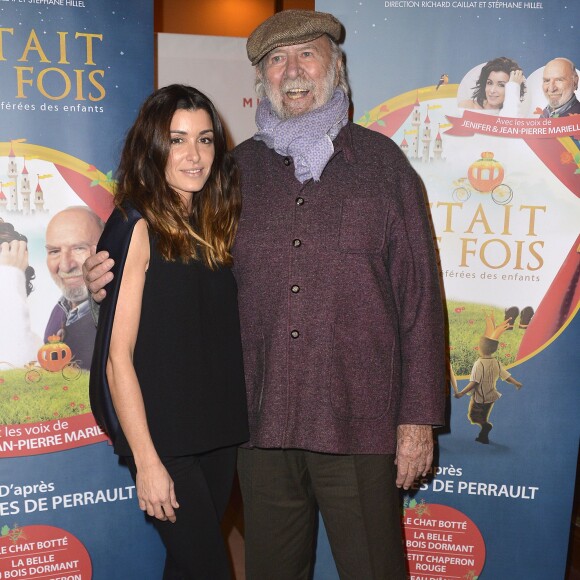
(340, 306)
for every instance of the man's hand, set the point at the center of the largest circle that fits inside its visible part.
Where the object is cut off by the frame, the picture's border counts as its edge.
(96, 273)
(414, 453)
(14, 254)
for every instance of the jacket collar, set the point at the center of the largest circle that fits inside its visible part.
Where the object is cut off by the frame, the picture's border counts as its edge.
(343, 144)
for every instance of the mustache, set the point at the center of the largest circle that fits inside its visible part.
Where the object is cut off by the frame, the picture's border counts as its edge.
(296, 84)
(72, 274)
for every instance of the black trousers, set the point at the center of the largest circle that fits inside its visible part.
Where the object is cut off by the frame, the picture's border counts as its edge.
(358, 500)
(194, 543)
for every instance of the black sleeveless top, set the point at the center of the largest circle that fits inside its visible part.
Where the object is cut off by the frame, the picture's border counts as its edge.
(188, 358)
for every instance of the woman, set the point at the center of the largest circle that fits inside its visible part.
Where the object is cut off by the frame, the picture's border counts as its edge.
(18, 344)
(169, 350)
(500, 87)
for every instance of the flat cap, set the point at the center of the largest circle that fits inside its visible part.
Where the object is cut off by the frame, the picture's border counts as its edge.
(290, 27)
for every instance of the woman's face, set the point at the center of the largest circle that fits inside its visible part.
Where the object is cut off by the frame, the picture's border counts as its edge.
(495, 89)
(192, 152)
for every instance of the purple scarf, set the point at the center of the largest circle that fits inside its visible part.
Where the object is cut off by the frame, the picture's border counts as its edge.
(306, 138)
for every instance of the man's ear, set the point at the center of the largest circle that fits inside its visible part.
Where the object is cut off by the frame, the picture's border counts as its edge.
(339, 64)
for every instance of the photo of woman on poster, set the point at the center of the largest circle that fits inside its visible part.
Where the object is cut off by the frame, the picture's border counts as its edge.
(499, 89)
(18, 343)
(168, 343)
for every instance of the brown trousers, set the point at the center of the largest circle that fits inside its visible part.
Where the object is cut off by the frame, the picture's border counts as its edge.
(358, 500)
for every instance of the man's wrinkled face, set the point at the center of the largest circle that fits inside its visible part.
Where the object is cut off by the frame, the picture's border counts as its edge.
(69, 238)
(300, 78)
(559, 82)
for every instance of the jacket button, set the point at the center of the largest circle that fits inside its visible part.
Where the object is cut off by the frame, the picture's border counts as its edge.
(299, 201)
(294, 334)
(287, 161)
(295, 289)
(296, 243)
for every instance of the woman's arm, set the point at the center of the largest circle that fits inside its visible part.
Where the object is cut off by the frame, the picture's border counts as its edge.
(154, 485)
(512, 103)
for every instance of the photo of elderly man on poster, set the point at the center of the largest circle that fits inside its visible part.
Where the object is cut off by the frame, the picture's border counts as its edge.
(71, 235)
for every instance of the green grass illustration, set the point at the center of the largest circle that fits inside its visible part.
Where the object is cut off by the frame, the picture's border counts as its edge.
(46, 397)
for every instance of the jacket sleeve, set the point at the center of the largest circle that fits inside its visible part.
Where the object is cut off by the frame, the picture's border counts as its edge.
(414, 272)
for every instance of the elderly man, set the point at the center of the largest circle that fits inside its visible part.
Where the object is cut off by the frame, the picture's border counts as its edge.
(341, 314)
(560, 80)
(71, 237)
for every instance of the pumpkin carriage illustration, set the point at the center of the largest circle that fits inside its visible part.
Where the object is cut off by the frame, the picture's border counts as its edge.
(484, 176)
(54, 356)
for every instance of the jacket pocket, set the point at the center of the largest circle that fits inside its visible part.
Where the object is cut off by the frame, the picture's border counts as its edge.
(362, 225)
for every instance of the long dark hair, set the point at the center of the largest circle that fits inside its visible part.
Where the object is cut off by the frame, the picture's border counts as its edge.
(208, 232)
(500, 64)
(9, 234)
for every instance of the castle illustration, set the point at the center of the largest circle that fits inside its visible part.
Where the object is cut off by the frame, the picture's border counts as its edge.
(16, 194)
(420, 147)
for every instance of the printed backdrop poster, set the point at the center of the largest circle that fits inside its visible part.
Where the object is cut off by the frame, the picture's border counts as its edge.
(204, 62)
(503, 185)
(73, 75)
